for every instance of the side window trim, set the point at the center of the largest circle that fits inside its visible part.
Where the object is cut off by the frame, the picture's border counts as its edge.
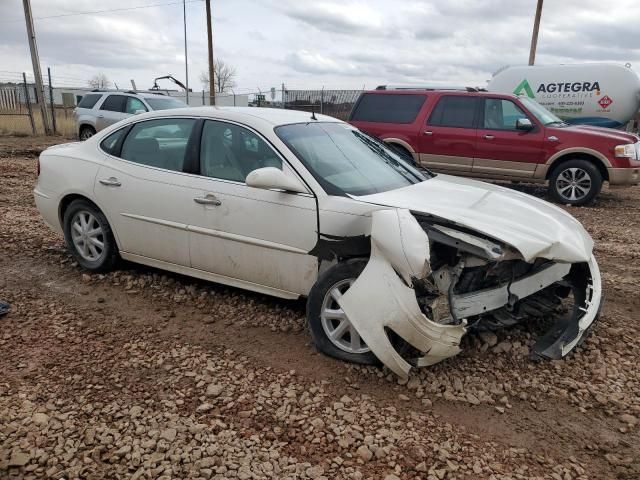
(191, 162)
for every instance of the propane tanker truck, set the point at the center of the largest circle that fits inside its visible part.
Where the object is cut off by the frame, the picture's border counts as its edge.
(598, 94)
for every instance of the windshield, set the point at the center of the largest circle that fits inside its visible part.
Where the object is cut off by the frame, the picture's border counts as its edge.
(345, 160)
(541, 113)
(164, 103)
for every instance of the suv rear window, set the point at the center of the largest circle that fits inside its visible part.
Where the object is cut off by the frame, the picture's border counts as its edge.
(89, 100)
(388, 108)
(454, 111)
(114, 103)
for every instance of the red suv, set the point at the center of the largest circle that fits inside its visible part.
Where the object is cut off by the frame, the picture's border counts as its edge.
(498, 136)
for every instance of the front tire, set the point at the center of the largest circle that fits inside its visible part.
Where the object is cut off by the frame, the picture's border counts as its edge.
(89, 237)
(331, 330)
(575, 182)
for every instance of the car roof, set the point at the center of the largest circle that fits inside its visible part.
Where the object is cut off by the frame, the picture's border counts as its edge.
(273, 116)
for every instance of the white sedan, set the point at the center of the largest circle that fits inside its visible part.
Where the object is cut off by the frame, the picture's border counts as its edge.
(397, 263)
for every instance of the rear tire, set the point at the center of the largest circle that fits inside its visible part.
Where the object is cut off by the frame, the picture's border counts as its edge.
(89, 237)
(575, 182)
(87, 132)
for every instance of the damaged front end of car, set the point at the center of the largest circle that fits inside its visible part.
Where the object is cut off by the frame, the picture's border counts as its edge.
(430, 282)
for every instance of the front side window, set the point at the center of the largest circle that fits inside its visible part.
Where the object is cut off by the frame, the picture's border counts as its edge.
(345, 160)
(454, 111)
(134, 105)
(501, 114)
(388, 108)
(89, 100)
(158, 143)
(114, 103)
(231, 152)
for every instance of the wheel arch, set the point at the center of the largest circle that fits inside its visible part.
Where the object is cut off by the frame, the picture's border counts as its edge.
(67, 199)
(592, 156)
(401, 143)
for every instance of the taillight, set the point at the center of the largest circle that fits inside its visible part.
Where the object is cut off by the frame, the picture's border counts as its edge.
(38, 167)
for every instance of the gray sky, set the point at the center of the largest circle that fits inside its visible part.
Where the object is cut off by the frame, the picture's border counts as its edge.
(310, 44)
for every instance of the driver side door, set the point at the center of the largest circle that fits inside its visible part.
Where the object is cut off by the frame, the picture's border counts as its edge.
(251, 237)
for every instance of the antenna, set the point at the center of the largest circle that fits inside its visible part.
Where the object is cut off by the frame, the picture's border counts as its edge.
(313, 113)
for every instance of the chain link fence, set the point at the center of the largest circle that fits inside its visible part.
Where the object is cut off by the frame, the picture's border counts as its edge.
(335, 103)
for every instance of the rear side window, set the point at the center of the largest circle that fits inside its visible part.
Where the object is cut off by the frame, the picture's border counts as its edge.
(158, 143)
(388, 108)
(454, 111)
(110, 143)
(114, 103)
(89, 100)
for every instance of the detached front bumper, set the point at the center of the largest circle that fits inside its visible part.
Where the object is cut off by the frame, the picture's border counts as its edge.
(382, 298)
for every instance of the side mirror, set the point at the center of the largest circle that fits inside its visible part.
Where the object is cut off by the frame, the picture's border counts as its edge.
(138, 112)
(270, 178)
(524, 124)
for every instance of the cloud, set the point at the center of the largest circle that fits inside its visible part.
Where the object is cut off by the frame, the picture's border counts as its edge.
(342, 43)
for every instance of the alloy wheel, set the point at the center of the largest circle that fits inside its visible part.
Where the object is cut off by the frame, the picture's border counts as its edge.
(573, 184)
(87, 235)
(335, 323)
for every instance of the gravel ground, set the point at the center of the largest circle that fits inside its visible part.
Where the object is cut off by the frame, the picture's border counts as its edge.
(143, 374)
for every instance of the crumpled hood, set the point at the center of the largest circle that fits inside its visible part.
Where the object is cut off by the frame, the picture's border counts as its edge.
(532, 226)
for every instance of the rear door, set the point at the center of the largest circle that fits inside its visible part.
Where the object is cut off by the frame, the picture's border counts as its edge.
(112, 110)
(448, 140)
(501, 149)
(143, 190)
(390, 116)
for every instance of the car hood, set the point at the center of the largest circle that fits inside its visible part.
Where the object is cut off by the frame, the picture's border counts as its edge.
(532, 226)
(605, 133)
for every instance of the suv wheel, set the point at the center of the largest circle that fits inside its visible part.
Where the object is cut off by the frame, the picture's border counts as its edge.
(87, 132)
(575, 182)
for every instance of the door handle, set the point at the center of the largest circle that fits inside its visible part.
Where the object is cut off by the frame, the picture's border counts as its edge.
(100, 116)
(208, 200)
(489, 137)
(110, 182)
(428, 132)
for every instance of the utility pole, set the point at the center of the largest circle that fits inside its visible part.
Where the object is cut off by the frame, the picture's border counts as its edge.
(186, 65)
(534, 35)
(212, 83)
(35, 60)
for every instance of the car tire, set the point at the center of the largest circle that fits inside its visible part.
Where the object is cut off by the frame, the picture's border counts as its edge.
(321, 306)
(575, 182)
(87, 132)
(89, 237)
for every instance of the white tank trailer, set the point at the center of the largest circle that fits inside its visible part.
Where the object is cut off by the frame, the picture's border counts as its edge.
(599, 94)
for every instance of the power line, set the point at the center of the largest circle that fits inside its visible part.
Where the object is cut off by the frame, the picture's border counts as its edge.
(123, 9)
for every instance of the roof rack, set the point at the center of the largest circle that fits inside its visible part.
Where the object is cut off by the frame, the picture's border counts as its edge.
(430, 87)
(107, 90)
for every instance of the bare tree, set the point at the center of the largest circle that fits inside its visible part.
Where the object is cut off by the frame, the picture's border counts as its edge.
(224, 76)
(99, 81)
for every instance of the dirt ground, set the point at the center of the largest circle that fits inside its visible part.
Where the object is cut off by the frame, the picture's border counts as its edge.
(140, 373)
